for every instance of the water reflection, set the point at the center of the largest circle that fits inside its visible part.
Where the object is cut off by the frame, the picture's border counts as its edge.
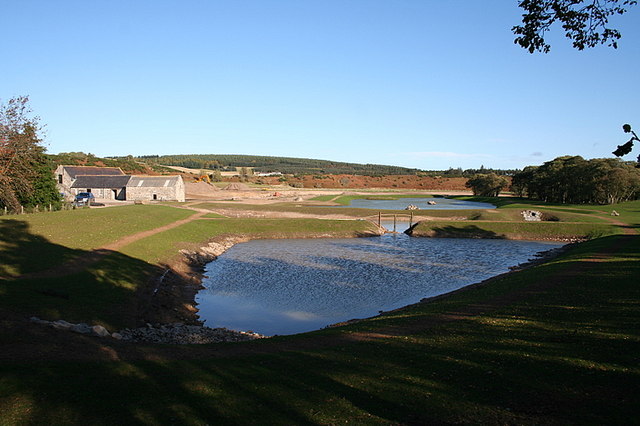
(420, 202)
(291, 286)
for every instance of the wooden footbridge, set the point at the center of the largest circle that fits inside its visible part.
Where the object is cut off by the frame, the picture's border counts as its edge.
(396, 217)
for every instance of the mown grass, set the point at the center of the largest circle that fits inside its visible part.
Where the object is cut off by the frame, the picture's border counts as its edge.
(554, 344)
(40, 241)
(162, 246)
(561, 221)
(105, 292)
(326, 211)
(513, 230)
(542, 346)
(92, 228)
(509, 209)
(324, 197)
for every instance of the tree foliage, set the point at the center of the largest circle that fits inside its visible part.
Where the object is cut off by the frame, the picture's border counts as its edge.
(583, 21)
(487, 185)
(25, 174)
(572, 179)
(274, 164)
(626, 148)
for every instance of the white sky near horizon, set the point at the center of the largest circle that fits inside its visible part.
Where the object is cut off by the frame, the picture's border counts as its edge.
(416, 83)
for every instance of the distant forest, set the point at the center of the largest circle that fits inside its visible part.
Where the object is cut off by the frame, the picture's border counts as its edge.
(288, 165)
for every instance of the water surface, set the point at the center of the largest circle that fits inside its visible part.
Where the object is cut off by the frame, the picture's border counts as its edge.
(292, 286)
(420, 202)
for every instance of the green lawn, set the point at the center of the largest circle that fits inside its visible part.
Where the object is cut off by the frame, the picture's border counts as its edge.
(543, 346)
(39, 241)
(555, 344)
(513, 230)
(106, 292)
(161, 246)
(564, 221)
(325, 211)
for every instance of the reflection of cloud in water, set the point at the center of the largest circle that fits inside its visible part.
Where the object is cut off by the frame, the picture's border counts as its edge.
(349, 284)
(313, 283)
(300, 315)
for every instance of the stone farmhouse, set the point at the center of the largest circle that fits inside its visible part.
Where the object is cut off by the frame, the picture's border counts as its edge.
(110, 183)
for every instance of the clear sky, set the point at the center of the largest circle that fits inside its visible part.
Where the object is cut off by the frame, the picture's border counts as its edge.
(418, 83)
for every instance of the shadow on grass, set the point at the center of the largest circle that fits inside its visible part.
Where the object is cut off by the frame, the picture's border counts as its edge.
(450, 231)
(51, 281)
(564, 354)
(22, 252)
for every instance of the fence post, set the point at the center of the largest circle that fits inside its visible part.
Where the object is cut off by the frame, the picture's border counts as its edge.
(411, 220)
(394, 223)
(379, 219)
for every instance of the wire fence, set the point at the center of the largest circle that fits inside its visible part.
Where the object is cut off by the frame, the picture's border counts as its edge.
(6, 211)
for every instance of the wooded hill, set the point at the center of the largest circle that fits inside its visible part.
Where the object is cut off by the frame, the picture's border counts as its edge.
(266, 164)
(128, 164)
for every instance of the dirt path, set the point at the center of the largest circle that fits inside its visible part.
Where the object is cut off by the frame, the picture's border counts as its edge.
(82, 262)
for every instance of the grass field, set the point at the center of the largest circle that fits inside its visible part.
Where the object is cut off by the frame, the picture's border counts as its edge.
(543, 346)
(511, 230)
(558, 343)
(105, 292)
(162, 246)
(57, 237)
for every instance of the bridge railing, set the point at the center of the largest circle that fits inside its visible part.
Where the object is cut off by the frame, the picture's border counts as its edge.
(396, 217)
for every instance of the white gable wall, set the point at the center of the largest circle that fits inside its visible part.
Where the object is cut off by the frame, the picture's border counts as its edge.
(169, 189)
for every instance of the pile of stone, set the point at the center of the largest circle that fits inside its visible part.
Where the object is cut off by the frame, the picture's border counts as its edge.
(82, 328)
(179, 334)
(531, 215)
(539, 258)
(211, 251)
(176, 333)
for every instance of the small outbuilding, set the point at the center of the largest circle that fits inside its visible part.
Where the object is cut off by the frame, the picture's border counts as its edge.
(162, 188)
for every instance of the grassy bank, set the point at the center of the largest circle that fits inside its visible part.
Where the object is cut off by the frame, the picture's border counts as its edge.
(40, 241)
(560, 222)
(513, 230)
(554, 344)
(162, 246)
(542, 346)
(106, 291)
(326, 211)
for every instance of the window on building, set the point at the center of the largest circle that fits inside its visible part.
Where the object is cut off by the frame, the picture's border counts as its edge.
(59, 178)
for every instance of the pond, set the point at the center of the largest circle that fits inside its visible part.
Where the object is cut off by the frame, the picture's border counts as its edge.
(292, 286)
(420, 202)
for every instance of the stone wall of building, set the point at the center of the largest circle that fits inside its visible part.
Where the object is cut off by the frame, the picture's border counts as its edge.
(174, 192)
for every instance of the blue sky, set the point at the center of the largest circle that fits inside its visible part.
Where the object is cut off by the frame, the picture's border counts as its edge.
(418, 83)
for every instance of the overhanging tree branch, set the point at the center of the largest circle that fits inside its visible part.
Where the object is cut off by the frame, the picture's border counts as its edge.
(584, 22)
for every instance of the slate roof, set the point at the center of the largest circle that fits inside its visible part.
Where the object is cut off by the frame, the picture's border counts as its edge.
(101, 181)
(152, 181)
(75, 171)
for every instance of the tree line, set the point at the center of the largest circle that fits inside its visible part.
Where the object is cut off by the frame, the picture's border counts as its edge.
(268, 164)
(301, 166)
(574, 180)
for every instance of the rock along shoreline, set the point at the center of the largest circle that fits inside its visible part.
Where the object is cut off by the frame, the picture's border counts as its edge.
(173, 297)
